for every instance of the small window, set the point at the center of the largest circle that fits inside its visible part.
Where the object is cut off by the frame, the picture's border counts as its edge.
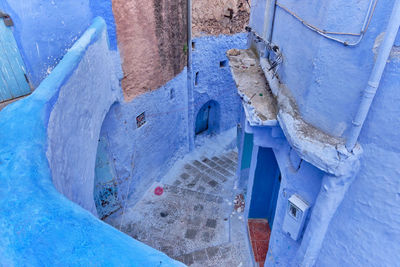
(196, 79)
(223, 63)
(140, 120)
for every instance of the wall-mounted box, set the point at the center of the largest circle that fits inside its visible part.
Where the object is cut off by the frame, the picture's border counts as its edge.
(296, 214)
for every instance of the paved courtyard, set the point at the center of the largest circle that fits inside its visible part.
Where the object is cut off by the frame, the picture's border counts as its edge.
(193, 218)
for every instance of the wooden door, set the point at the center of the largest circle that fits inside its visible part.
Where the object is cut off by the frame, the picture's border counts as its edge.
(13, 79)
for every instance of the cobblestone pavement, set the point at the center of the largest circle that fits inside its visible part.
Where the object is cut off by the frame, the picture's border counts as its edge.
(193, 220)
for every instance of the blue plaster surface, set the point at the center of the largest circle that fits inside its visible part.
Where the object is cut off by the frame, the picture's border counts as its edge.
(368, 221)
(75, 123)
(39, 226)
(263, 200)
(326, 79)
(143, 155)
(105, 188)
(313, 64)
(215, 82)
(44, 30)
(300, 178)
(208, 118)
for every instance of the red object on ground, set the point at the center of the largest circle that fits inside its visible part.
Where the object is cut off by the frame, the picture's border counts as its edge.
(260, 233)
(158, 191)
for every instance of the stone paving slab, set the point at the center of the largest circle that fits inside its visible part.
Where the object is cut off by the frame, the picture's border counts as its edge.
(179, 222)
(193, 220)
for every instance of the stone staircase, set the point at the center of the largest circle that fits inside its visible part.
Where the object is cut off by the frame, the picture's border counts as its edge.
(193, 220)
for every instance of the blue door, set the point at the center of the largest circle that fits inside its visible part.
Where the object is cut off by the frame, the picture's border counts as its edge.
(13, 80)
(267, 179)
(202, 119)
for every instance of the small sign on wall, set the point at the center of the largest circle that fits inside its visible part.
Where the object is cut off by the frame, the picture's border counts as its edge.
(140, 120)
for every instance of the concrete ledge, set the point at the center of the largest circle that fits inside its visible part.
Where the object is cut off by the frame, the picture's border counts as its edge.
(326, 152)
(257, 99)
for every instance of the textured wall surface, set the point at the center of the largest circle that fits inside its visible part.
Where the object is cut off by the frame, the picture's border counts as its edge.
(44, 30)
(313, 64)
(75, 123)
(31, 206)
(297, 177)
(211, 17)
(142, 155)
(326, 79)
(105, 188)
(215, 82)
(152, 36)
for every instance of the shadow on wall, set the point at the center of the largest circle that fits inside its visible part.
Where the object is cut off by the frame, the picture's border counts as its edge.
(106, 185)
(208, 118)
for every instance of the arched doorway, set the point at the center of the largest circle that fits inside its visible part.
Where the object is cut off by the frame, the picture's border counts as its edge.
(207, 119)
(105, 190)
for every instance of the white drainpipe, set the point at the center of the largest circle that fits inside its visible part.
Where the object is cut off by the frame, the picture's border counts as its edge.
(376, 75)
(334, 188)
(332, 192)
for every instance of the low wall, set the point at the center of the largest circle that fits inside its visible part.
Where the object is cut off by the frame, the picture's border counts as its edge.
(38, 225)
(75, 123)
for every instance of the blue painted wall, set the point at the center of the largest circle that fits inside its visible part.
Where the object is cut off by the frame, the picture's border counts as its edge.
(142, 155)
(214, 80)
(208, 118)
(247, 149)
(265, 185)
(39, 226)
(325, 79)
(75, 123)
(105, 189)
(297, 177)
(44, 30)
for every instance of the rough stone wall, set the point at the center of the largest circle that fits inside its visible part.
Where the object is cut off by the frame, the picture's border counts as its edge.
(152, 38)
(214, 17)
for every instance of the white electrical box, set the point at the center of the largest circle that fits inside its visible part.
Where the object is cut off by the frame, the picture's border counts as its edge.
(295, 216)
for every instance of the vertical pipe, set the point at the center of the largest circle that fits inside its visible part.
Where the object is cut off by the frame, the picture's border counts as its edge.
(375, 77)
(332, 192)
(190, 77)
(269, 18)
(269, 24)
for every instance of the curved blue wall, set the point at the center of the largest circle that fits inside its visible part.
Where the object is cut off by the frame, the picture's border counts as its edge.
(39, 226)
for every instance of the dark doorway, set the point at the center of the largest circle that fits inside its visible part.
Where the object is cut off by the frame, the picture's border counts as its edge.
(266, 185)
(207, 119)
(267, 179)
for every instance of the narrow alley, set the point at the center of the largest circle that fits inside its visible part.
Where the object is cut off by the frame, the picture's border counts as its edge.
(192, 215)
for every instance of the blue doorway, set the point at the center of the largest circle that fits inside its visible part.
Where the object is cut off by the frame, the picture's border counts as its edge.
(207, 119)
(13, 80)
(267, 179)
